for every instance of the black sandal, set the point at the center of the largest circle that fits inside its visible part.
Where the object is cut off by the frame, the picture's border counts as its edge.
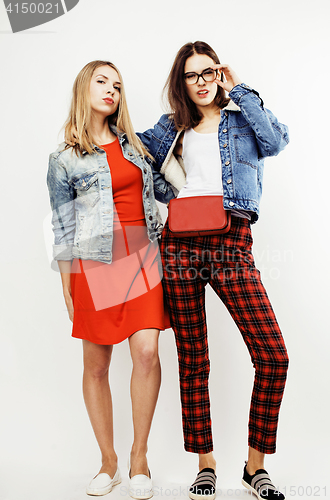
(204, 486)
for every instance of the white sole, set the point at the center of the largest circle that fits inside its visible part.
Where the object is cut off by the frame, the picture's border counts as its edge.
(194, 496)
(244, 483)
(144, 497)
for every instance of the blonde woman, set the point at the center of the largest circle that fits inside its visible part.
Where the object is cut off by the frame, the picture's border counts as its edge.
(106, 224)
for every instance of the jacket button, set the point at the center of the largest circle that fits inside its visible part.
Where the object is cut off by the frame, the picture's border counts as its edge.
(150, 217)
(145, 170)
(224, 130)
(231, 203)
(147, 193)
(225, 145)
(227, 162)
(229, 181)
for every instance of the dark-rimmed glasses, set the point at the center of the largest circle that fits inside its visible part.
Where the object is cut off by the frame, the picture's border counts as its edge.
(208, 75)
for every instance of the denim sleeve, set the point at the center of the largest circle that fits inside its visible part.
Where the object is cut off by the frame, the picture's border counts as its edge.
(62, 203)
(145, 137)
(271, 135)
(151, 138)
(164, 191)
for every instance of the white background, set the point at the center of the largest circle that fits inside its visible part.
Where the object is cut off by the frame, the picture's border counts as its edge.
(281, 48)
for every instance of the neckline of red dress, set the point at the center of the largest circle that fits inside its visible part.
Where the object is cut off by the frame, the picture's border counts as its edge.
(109, 143)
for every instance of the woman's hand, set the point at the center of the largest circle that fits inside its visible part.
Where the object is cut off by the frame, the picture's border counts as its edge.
(231, 79)
(68, 302)
(65, 270)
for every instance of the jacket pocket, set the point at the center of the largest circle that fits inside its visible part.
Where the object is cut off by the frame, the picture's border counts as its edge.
(246, 149)
(84, 182)
(87, 189)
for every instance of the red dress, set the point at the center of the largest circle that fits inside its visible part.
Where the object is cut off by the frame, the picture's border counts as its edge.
(112, 301)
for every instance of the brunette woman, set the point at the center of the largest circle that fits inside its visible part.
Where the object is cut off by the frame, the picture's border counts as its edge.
(219, 146)
(106, 225)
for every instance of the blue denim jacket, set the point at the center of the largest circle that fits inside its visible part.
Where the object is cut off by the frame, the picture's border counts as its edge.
(81, 198)
(247, 134)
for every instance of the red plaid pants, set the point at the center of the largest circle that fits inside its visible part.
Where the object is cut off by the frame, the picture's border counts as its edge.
(226, 263)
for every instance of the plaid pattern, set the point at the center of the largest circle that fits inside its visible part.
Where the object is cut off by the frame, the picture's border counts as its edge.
(226, 263)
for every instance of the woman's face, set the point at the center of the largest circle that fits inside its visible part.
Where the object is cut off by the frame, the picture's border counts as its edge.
(201, 93)
(104, 91)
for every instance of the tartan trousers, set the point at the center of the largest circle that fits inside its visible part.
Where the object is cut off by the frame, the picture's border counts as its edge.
(225, 262)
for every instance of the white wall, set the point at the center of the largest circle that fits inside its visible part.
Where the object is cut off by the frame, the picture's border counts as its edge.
(280, 48)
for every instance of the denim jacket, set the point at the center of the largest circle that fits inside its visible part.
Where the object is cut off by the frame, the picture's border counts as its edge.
(81, 198)
(247, 134)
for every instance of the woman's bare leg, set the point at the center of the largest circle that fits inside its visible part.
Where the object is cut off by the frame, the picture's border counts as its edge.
(255, 461)
(206, 460)
(145, 384)
(98, 401)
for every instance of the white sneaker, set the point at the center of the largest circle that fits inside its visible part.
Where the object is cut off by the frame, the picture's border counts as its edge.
(103, 484)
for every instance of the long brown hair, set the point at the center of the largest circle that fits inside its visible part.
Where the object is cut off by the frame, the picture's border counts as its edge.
(184, 110)
(78, 125)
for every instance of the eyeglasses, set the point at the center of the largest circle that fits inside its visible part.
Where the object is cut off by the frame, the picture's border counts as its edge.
(208, 75)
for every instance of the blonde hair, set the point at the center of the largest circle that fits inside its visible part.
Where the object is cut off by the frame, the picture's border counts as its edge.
(78, 125)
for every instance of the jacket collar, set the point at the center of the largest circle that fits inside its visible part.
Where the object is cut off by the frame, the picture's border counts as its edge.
(231, 106)
(121, 136)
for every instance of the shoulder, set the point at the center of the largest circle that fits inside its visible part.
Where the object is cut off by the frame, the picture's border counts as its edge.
(164, 132)
(62, 152)
(235, 115)
(166, 123)
(65, 155)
